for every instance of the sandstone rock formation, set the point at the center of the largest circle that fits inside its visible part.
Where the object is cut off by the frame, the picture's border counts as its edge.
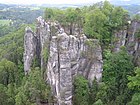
(130, 39)
(61, 57)
(69, 56)
(29, 49)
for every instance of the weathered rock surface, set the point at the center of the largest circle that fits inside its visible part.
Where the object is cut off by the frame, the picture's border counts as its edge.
(130, 39)
(29, 49)
(43, 40)
(69, 56)
(36, 44)
(72, 55)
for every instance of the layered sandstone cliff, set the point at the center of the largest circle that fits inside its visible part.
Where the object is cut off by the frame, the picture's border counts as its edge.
(62, 57)
(71, 56)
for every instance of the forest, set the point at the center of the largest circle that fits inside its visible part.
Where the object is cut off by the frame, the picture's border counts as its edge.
(120, 84)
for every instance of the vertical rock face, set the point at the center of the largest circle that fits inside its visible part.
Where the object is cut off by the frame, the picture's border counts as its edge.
(36, 45)
(69, 56)
(120, 39)
(130, 39)
(133, 44)
(43, 39)
(29, 49)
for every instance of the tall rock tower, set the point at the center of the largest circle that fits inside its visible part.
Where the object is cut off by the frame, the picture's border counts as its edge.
(62, 57)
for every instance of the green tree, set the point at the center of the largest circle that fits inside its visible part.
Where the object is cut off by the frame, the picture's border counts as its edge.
(3, 95)
(81, 91)
(135, 99)
(98, 102)
(11, 92)
(71, 17)
(134, 81)
(107, 8)
(119, 18)
(49, 14)
(94, 24)
(7, 72)
(136, 17)
(33, 90)
(93, 91)
(134, 84)
(116, 68)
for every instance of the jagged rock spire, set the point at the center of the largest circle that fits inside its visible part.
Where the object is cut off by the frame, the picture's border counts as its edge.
(29, 49)
(69, 56)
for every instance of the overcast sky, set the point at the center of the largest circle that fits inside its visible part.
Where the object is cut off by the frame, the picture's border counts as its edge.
(47, 1)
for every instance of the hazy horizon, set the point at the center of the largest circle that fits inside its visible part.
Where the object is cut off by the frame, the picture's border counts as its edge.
(48, 1)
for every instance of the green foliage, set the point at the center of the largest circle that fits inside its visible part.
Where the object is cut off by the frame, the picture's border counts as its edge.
(49, 13)
(93, 92)
(134, 81)
(69, 18)
(33, 90)
(70, 15)
(6, 29)
(134, 84)
(102, 92)
(135, 99)
(98, 21)
(3, 95)
(137, 34)
(119, 17)
(10, 77)
(45, 54)
(81, 91)
(94, 23)
(7, 94)
(116, 68)
(98, 102)
(11, 92)
(97, 93)
(7, 72)
(136, 17)
(11, 45)
(84, 94)
(102, 20)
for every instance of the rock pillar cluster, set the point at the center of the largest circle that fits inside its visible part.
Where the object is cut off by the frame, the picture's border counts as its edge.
(62, 57)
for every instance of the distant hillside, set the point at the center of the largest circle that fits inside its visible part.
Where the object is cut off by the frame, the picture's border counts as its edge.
(20, 14)
(122, 2)
(133, 9)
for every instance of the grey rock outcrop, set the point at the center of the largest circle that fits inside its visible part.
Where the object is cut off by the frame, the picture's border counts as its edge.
(130, 39)
(72, 55)
(133, 42)
(29, 49)
(119, 39)
(43, 40)
(36, 44)
(69, 56)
